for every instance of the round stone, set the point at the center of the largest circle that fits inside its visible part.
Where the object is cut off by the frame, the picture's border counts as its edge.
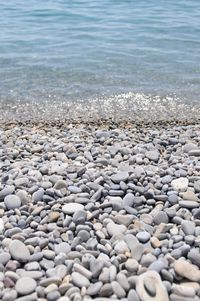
(25, 285)
(71, 208)
(12, 201)
(19, 251)
(143, 236)
(160, 217)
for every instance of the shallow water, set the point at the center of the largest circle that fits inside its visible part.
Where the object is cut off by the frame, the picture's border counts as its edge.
(119, 53)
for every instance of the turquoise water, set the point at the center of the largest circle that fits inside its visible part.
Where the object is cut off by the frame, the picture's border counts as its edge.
(61, 50)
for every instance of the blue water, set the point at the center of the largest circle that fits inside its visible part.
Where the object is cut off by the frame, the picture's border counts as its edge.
(70, 50)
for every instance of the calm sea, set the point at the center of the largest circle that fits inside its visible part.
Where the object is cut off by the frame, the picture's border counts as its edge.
(124, 53)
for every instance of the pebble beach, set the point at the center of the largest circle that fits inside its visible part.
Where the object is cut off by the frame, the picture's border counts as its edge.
(99, 211)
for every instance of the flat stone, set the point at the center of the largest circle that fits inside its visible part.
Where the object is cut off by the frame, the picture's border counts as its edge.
(80, 280)
(120, 176)
(71, 208)
(197, 186)
(187, 270)
(180, 184)
(153, 155)
(149, 287)
(190, 196)
(189, 147)
(62, 247)
(25, 285)
(19, 251)
(194, 152)
(53, 216)
(4, 257)
(160, 217)
(12, 201)
(31, 297)
(188, 227)
(194, 256)
(115, 229)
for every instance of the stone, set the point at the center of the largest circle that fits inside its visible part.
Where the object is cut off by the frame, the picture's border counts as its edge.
(71, 208)
(149, 287)
(143, 236)
(12, 201)
(19, 251)
(4, 257)
(188, 227)
(25, 286)
(132, 265)
(194, 152)
(194, 256)
(153, 155)
(180, 184)
(187, 270)
(80, 280)
(120, 176)
(160, 217)
(115, 229)
(1, 225)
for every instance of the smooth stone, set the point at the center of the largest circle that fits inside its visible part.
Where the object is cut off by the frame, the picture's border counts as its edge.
(118, 290)
(194, 152)
(160, 217)
(10, 295)
(71, 208)
(4, 257)
(19, 251)
(1, 225)
(94, 288)
(197, 186)
(132, 265)
(128, 200)
(189, 147)
(183, 290)
(80, 280)
(188, 227)
(149, 287)
(153, 155)
(134, 245)
(31, 297)
(25, 286)
(190, 196)
(194, 256)
(187, 270)
(7, 190)
(189, 204)
(133, 296)
(23, 195)
(120, 176)
(180, 184)
(143, 236)
(12, 201)
(115, 229)
(37, 196)
(123, 219)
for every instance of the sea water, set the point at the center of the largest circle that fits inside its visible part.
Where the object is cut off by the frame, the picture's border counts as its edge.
(111, 53)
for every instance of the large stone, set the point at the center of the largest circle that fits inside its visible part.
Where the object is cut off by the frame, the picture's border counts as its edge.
(120, 176)
(114, 229)
(19, 251)
(12, 201)
(150, 287)
(80, 280)
(180, 184)
(25, 285)
(71, 208)
(187, 270)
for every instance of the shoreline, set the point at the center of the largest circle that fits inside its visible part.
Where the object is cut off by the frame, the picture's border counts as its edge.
(99, 210)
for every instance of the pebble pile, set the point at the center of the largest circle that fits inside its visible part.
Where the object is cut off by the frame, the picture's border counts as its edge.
(99, 212)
